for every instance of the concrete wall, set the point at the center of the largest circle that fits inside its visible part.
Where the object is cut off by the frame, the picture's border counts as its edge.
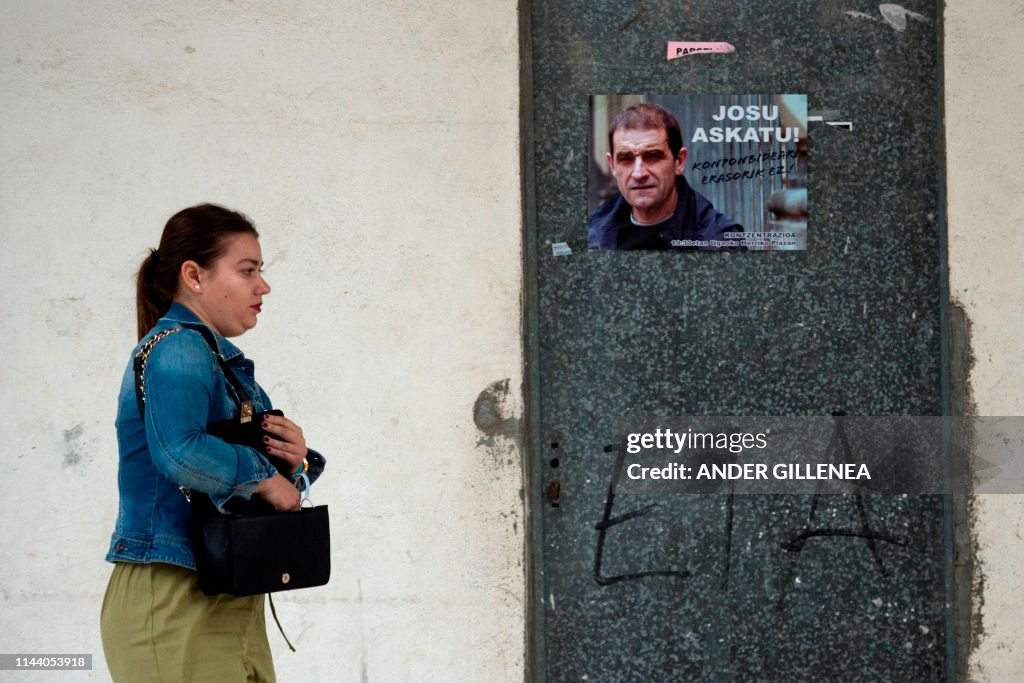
(984, 93)
(376, 147)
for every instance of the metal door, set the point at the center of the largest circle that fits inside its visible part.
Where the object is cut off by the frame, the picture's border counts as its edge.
(703, 587)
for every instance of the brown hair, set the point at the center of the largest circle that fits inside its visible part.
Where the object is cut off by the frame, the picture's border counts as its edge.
(195, 234)
(647, 117)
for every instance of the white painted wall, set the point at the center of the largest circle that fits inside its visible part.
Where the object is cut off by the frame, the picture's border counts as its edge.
(984, 95)
(376, 146)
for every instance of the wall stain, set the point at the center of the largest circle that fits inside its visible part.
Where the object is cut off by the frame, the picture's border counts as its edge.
(496, 415)
(491, 414)
(76, 452)
(66, 316)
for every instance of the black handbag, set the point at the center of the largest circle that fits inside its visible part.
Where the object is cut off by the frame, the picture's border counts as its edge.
(253, 548)
(263, 552)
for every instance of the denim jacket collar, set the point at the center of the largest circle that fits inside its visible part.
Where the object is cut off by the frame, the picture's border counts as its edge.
(183, 315)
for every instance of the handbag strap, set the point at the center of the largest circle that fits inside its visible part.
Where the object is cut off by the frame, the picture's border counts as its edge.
(245, 409)
(141, 358)
(273, 611)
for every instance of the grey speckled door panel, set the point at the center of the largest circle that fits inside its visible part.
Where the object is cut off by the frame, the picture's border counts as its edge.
(854, 323)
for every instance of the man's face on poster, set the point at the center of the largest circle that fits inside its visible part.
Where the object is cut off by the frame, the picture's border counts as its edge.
(645, 171)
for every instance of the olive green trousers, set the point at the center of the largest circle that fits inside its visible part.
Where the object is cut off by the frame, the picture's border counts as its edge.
(158, 626)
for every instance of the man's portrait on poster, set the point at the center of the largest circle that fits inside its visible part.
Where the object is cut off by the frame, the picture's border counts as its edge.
(745, 157)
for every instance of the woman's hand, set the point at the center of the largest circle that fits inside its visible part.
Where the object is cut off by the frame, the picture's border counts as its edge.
(287, 442)
(280, 493)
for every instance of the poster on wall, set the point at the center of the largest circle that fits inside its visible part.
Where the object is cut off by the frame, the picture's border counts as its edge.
(697, 172)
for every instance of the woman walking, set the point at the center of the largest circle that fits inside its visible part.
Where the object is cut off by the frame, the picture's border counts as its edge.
(202, 285)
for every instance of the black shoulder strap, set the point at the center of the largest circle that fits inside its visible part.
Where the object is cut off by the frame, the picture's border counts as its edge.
(244, 400)
(142, 357)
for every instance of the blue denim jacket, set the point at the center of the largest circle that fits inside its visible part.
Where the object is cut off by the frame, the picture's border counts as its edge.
(185, 390)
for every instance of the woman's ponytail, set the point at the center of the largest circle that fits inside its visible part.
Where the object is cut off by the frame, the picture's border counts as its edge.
(151, 297)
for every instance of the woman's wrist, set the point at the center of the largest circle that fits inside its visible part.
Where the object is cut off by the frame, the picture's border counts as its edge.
(302, 468)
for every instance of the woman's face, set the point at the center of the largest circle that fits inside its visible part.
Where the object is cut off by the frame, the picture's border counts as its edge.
(230, 292)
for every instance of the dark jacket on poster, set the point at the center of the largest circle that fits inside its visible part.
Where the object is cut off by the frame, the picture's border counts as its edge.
(695, 226)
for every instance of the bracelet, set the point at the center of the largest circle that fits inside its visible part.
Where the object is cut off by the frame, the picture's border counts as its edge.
(303, 468)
